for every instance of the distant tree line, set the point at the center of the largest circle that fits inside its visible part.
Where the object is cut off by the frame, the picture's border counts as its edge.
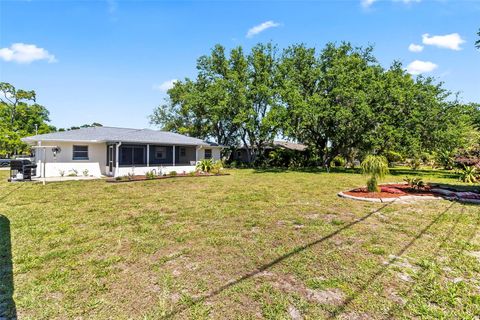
(94, 124)
(21, 116)
(477, 43)
(338, 101)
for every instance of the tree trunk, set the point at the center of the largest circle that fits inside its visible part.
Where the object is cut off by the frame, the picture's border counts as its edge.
(247, 148)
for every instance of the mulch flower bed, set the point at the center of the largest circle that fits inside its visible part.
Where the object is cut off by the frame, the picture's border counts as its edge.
(391, 191)
(178, 175)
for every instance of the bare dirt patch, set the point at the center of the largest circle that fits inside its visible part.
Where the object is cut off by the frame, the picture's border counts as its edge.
(286, 283)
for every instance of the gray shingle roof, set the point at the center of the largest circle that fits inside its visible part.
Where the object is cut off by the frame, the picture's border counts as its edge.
(112, 134)
(290, 145)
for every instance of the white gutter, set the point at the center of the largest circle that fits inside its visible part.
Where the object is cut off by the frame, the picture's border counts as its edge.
(118, 144)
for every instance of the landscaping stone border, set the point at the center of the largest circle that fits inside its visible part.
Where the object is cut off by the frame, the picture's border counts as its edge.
(443, 194)
(382, 200)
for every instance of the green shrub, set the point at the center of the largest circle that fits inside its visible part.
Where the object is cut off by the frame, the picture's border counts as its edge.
(372, 185)
(414, 163)
(217, 167)
(74, 173)
(172, 173)
(205, 165)
(393, 158)
(338, 161)
(445, 159)
(415, 183)
(233, 164)
(469, 174)
(85, 173)
(150, 175)
(377, 168)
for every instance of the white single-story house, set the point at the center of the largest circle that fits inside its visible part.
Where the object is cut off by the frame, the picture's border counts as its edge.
(112, 151)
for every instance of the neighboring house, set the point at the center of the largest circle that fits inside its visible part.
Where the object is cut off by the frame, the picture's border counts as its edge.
(117, 151)
(241, 153)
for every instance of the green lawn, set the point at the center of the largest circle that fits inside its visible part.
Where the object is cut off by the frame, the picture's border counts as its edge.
(253, 244)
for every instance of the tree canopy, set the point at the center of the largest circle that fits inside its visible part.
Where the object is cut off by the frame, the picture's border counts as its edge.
(20, 116)
(477, 43)
(338, 101)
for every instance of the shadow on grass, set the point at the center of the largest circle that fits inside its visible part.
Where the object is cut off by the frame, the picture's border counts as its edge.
(266, 266)
(398, 171)
(307, 170)
(7, 304)
(445, 174)
(454, 258)
(4, 196)
(457, 187)
(385, 267)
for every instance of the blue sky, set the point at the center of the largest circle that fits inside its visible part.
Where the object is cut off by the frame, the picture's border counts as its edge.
(109, 61)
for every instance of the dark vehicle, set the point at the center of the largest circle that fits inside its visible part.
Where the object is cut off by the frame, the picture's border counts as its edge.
(5, 163)
(22, 169)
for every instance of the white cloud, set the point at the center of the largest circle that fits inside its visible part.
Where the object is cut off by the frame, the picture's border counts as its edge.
(25, 53)
(367, 3)
(418, 67)
(112, 6)
(415, 47)
(165, 86)
(261, 27)
(449, 41)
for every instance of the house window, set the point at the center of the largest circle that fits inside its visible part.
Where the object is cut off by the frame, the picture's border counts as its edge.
(208, 153)
(183, 152)
(80, 153)
(160, 153)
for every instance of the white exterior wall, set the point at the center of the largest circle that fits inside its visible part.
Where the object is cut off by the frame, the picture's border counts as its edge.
(159, 170)
(97, 157)
(96, 164)
(215, 153)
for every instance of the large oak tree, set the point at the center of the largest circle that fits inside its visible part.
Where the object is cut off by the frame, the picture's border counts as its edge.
(20, 116)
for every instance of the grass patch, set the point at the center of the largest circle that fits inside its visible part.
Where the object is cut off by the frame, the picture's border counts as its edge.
(256, 243)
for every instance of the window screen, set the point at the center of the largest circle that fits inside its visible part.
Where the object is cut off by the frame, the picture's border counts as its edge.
(80, 152)
(208, 153)
(160, 152)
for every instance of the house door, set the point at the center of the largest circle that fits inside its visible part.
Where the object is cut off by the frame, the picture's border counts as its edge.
(110, 159)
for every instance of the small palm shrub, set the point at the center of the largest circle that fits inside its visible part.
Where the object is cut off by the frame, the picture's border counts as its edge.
(150, 175)
(445, 159)
(415, 183)
(469, 174)
(205, 165)
(377, 168)
(217, 167)
(172, 173)
(415, 163)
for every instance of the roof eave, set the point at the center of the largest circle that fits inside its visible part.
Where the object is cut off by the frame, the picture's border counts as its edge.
(32, 140)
